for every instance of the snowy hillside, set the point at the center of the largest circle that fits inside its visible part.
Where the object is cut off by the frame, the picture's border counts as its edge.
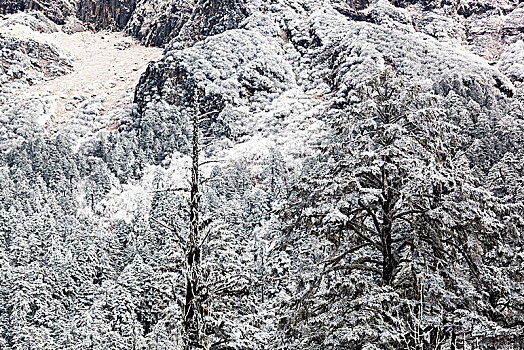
(249, 174)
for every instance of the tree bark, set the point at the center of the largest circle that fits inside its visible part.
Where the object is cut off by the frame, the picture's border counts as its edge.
(388, 261)
(192, 302)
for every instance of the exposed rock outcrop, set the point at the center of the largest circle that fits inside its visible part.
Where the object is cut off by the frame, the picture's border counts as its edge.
(357, 4)
(29, 61)
(155, 23)
(487, 27)
(211, 17)
(34, 20)
(56, 10)
(106, 13)
(171, 78)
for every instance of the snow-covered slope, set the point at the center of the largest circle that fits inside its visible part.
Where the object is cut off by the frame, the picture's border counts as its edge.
(78, 81)
(99, 166)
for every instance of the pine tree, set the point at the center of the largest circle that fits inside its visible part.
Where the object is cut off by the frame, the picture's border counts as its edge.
(378, 212)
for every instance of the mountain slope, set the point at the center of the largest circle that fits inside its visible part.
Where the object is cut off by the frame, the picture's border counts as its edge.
(284, 174)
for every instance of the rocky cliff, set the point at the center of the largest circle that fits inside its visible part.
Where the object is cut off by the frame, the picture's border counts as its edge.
(488, 27)
(327, 51)
(107, 13)
(56, 10)
(156, 23)
(30, 61)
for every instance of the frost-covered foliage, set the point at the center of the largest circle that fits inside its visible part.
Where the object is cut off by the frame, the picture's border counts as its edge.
(407, 231)
(359, 183)
(25, 62)
(239, 73)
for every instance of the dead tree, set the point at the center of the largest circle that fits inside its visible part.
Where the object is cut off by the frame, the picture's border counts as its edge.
(193, 332)
(195, 288)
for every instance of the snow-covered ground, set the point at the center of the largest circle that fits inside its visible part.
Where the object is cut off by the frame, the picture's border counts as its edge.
(106, 68)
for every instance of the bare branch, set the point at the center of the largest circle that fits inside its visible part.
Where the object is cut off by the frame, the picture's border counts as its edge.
(172, 229)
(407, 212)
(178, 189)
(212, 161)
(206, 114)
(354, 267)
(372, 214)
(341, 256)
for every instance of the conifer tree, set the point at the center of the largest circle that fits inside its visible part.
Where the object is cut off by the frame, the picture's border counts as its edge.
(389, 212)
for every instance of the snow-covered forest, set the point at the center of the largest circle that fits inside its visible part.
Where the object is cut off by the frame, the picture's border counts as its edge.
(261, 174)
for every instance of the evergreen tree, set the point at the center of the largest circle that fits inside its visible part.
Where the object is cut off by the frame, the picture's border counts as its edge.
(393, 210)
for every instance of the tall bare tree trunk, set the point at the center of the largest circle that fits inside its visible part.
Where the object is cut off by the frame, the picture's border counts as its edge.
(192, 302)
(388, 260)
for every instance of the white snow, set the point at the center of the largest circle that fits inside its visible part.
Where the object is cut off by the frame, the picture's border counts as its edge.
(106, 66)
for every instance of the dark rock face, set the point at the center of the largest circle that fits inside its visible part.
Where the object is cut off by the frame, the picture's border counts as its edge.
(474, 9)
(12, 6)
(427, 4)
(56, 10)
(357, 4)
(100, 14)
(106, 13)
(353, 9)
(211, 17)
(29, 61)
(463, 8)
(153, 22)
(156, 23)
